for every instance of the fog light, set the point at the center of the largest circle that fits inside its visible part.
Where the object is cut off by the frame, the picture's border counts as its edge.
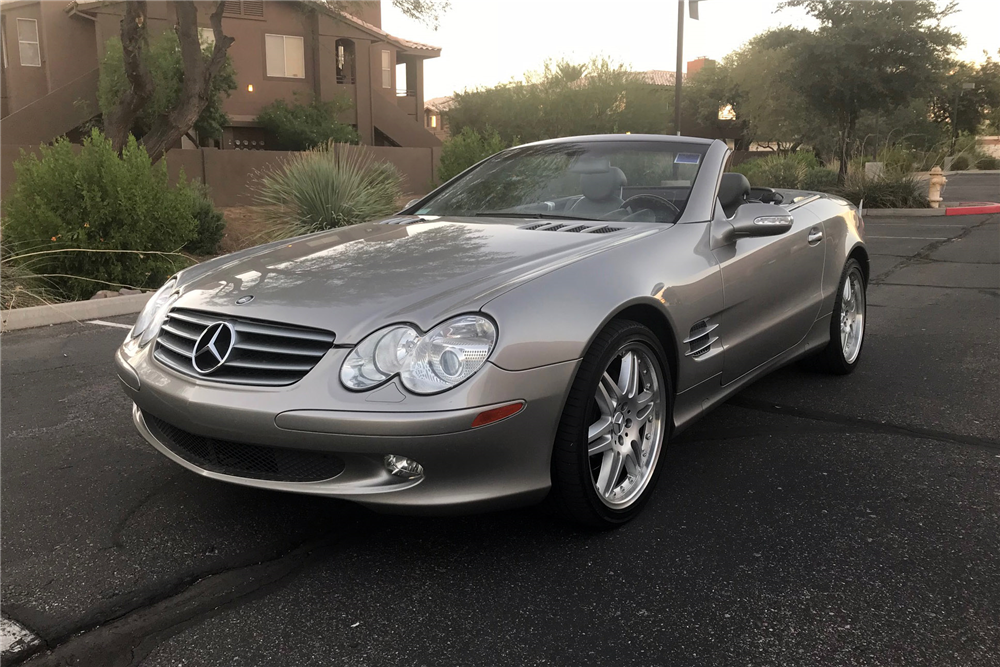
(400, 466)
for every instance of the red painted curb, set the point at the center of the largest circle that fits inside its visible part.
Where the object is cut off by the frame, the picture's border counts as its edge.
(974, 209)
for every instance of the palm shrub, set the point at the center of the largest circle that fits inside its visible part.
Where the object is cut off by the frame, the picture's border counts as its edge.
(961, 163)
(89, 219)
(890, 190)
(466, 149)
(778, 171)
(330, 186)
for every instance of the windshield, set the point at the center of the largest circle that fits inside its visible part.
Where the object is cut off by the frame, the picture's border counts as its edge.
(645, 181)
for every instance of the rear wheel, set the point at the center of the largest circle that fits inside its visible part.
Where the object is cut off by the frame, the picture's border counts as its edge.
(847, 326)
(613, 429)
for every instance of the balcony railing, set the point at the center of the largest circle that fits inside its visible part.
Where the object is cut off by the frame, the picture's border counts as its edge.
(405, 92)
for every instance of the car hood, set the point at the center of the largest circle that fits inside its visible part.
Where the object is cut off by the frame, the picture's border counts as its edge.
(354, 280)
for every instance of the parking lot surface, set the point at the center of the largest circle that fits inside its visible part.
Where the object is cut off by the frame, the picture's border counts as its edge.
(811, 520)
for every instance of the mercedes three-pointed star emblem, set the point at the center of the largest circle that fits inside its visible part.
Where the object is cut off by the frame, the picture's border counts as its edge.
(213, 347)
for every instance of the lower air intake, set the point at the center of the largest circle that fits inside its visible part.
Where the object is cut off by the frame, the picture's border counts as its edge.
(242, 460)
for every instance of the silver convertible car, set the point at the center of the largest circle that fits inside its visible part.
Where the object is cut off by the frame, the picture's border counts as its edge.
(539, 326)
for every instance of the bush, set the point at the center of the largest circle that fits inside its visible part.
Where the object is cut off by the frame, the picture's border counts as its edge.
(299, 127)
(819, 179)
(210, 224)
(961, 163)
(886, 191)
(778, 171)
(94, 219)
(329, 186)
(988, 163)
(896, 159)
(466, 149)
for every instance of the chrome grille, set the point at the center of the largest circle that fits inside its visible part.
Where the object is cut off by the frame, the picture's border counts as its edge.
(264, 354)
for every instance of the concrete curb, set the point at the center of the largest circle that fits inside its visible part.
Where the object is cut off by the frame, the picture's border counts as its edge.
(971, 208)
(74, 311)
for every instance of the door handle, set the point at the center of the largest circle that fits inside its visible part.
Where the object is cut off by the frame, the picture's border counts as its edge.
(815, 236)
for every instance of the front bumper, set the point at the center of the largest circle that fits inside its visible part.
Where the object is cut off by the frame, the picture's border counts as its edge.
(503, 464)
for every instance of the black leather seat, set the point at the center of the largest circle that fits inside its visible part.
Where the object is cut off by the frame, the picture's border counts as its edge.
(734, 191)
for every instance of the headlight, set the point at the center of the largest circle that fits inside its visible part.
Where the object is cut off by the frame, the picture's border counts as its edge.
(151, 317)
(425, 363)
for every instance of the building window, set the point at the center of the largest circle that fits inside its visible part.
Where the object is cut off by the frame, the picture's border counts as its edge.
(345, 61)
(386, 69)
(286, 56)
(434, 120)
(27, 43)
(3, 41)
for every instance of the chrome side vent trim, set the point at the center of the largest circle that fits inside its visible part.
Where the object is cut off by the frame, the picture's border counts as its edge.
(263, 354)
(700, 340)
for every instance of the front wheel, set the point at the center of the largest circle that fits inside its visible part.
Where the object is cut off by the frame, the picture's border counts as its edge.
(847, 326)
(617, 415)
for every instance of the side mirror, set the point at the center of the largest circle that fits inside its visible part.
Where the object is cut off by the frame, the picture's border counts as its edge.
(753, 219)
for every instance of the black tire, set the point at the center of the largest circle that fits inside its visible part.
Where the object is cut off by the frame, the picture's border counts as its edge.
(573, 494)
(831, 359)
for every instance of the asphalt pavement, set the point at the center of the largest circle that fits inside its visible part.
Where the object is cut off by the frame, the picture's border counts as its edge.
(812, 520)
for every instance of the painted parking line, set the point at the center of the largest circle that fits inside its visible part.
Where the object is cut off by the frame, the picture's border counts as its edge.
(110, 324)
(15, 639)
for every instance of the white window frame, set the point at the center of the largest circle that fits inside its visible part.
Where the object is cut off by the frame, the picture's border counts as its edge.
(206, 38)
(20, 41)
(386, 68)
(284, 53)
(3, 43)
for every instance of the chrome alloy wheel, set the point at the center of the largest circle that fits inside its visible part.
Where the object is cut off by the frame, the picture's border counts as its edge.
(624, 440)
(852, 316)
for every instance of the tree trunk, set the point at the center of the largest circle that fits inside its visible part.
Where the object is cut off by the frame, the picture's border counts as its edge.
(197, 84)
(846, 136)
(118, 123)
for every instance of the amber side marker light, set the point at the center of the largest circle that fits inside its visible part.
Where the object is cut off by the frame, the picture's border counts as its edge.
(496, 414)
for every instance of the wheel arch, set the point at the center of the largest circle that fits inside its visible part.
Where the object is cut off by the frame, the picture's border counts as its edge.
(657, 321)
(860, 253)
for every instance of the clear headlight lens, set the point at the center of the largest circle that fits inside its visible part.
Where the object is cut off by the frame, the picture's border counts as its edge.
(426, 363)
(149, 320)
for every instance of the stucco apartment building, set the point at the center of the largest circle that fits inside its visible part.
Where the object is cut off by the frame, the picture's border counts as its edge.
(282, 50)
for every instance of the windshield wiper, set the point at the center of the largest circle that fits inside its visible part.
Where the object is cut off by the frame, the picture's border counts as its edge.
(518, 214)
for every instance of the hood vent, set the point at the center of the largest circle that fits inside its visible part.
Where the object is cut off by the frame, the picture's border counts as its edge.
(570, 227)
(399, 220)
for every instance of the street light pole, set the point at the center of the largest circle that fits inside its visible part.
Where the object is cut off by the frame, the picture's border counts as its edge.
(680, 64)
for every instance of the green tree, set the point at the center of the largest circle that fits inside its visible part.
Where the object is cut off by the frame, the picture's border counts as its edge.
(466, 149)
(166, 70)
(869, 56)
(564, 99)
(976, 90)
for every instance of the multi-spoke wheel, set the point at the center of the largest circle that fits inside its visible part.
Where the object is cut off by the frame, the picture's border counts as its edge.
(847, 328)
(613, 428)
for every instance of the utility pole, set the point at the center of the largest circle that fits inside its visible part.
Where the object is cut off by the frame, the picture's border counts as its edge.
(678, 73)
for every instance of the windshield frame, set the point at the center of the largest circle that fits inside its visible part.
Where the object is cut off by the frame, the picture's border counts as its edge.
(710, 151)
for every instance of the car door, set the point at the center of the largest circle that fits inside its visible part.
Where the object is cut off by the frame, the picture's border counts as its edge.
(772, 292)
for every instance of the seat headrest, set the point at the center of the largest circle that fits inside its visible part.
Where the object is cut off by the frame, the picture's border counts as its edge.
(603, 185)
(733, 191)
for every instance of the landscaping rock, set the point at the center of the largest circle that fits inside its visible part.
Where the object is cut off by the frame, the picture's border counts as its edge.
(104, 294)
(125, 291)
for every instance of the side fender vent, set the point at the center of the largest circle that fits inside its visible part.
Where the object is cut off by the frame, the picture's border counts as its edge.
(700, 340)
(400, 220)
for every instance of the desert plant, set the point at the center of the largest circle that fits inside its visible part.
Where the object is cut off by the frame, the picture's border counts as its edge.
(210, 225)
(819, 179)
(466, 149)
(299, 127)
(778, 171)
(330, 186)
(19, 286)
(896, 159)
(90, 219)
(886, 191)
(988, 163)
(960, 163)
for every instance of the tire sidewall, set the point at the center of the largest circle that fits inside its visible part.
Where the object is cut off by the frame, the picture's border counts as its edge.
(837, 348)
(636, 333)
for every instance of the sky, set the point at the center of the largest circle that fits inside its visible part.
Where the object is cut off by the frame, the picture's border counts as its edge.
(485, 42)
